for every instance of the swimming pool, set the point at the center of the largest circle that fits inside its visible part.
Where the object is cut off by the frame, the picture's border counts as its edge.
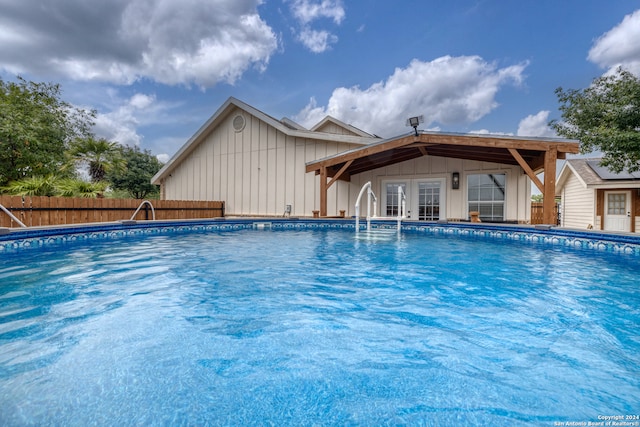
(248, 324)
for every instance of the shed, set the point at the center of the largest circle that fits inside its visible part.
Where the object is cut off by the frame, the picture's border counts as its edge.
(591, 196)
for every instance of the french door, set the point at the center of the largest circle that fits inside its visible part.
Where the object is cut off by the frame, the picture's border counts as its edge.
(425, 198)
(429, 200)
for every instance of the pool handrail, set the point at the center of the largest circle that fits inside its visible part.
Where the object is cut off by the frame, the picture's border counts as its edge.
(402, 209)
(370, 195)
(12, 216)
(145, 202)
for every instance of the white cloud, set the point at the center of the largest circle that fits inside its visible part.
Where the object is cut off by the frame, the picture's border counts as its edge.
(447, 90)
(164, 157)
(619, 46)
(488, 132)
(308, 11)
(122, 122)
(316, 41)
(189, 42)
(536, 125)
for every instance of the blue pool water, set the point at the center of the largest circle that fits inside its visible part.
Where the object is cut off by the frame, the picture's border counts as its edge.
(316, 328)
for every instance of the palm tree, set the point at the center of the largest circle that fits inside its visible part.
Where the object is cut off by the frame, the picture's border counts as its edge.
(52, 185)
(69, 187)
(99, 154)
(33, 186)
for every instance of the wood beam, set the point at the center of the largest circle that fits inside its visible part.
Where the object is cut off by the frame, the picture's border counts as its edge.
(339, 173)
(549, 194)
(423, 150)
(363, 152)
(323, 191)
(500, 142)
(524, 165)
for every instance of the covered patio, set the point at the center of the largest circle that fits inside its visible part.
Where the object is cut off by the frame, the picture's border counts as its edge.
(533, 155)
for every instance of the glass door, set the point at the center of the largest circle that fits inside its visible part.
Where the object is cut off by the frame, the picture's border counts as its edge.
(392, 204)
(429, 201)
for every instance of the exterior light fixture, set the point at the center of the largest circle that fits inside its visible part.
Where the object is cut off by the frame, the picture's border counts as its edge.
(414, 122)
(455, 180)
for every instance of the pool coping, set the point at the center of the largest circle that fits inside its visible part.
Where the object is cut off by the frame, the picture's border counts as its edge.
(15, 240)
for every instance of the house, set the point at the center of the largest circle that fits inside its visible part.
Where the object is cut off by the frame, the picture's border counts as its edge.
(261, 166)
(594, 197)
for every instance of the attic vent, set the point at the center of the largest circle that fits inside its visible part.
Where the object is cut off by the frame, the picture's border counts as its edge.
(238, 123)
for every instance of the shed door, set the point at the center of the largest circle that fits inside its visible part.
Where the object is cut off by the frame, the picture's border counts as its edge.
(617, 211)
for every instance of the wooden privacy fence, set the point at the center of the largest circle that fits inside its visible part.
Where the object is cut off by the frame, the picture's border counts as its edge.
(39, 211)
(537, 211)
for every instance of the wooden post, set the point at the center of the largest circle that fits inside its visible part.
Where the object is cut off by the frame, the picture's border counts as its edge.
(323, 191)
(549, 201)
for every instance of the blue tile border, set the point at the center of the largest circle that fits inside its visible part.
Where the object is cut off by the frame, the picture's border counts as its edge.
(24, 239)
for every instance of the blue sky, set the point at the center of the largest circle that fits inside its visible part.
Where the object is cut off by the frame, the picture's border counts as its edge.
(156, 70)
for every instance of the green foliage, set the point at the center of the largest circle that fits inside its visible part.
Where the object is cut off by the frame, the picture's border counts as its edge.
(141, 166)
(100, 155)
(605, 117)
(33, 186)
(52, 185)
(69, 187)
(537, 198)
(35, 128)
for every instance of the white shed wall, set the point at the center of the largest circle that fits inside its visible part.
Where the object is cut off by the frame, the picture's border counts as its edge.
(578, 204)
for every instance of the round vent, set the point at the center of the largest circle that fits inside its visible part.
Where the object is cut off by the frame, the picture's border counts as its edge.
(238, 123)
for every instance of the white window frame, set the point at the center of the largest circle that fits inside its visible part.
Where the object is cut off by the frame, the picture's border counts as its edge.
(492, 202)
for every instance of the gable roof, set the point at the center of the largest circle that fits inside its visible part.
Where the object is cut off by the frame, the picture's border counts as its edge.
(286, 126)
(349, 128)
(592, 175)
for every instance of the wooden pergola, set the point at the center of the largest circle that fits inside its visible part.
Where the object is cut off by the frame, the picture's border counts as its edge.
(533, 155)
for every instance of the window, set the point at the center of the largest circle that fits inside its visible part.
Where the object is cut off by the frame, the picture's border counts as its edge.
(485, 194)
(617, 204)
(392, 202)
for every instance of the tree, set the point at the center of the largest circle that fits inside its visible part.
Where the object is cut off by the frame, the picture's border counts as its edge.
(35, 129)
(605, 117)
(100, 155)
(141, 166)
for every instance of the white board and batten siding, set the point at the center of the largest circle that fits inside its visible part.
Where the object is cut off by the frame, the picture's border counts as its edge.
(256, 171)
(578, 204)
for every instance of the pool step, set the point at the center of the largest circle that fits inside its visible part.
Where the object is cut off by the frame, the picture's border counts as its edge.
(378, 234)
